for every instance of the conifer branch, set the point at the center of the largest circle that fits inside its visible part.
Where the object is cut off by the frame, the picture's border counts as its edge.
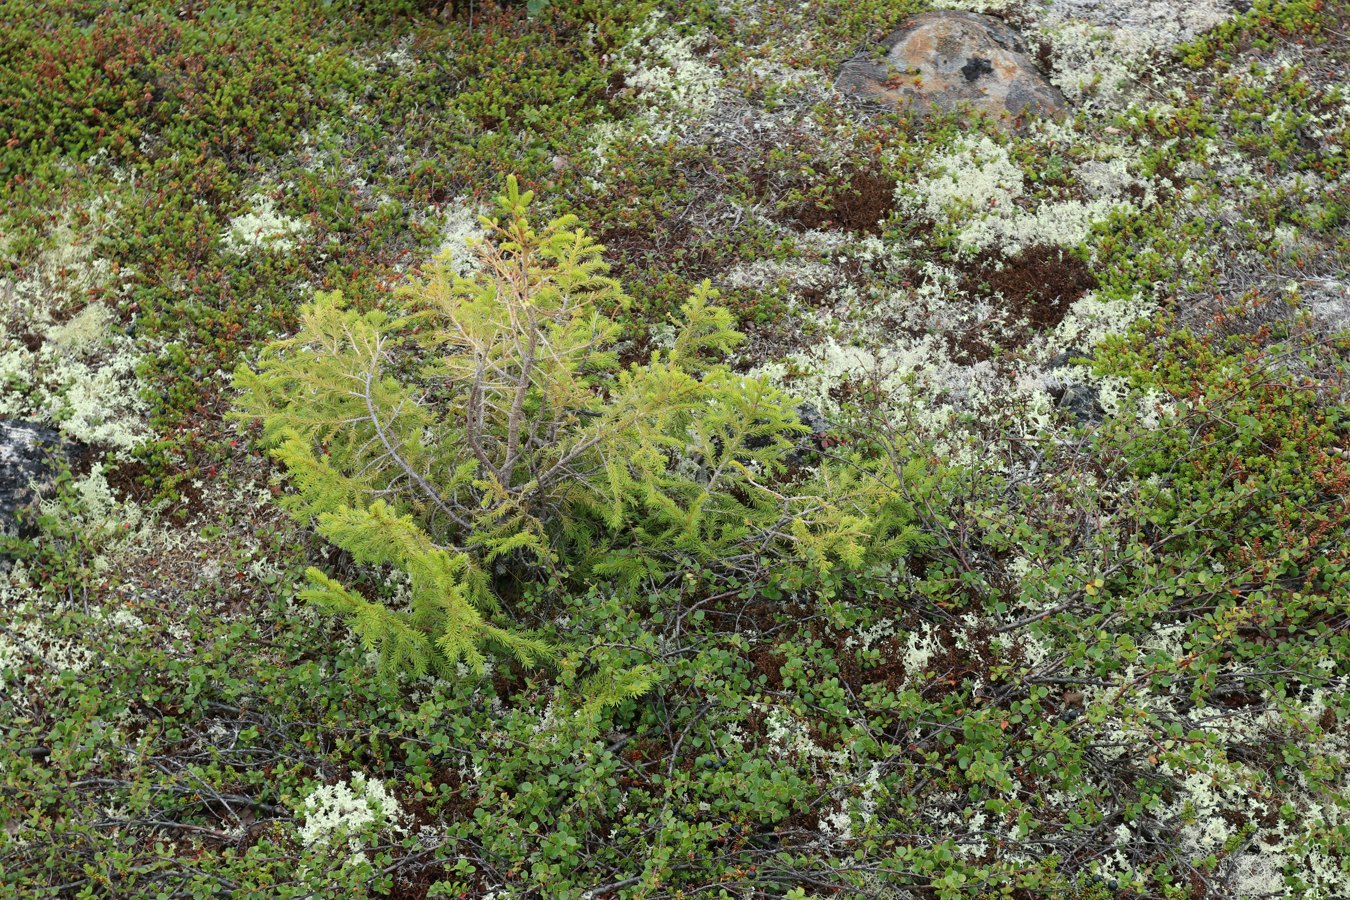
(430, 492)
(522, 438)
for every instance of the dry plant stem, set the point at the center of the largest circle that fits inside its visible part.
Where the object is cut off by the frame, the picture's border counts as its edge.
(431, 493)
(524, 380)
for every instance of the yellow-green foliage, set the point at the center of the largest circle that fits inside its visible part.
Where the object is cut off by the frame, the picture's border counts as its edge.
(493, 421)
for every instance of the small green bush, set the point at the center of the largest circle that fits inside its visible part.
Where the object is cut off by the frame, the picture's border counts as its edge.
(492, 429)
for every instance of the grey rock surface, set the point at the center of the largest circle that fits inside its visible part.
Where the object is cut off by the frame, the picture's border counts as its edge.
(943, 60)
(27, 456)
(1080, 401)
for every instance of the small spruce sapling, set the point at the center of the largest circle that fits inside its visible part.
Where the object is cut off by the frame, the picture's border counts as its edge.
(491, 423)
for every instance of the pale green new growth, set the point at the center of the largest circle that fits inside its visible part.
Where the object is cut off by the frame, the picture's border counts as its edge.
(494, 423)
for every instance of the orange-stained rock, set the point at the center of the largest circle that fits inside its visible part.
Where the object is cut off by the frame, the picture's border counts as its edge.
(941, 60)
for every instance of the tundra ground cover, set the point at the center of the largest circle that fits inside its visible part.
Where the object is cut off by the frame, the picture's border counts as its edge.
(1106, 357)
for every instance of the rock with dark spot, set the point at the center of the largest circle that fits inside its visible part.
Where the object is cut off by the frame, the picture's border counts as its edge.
(1080, 401)
(808, 446)
(1066, 358)
(812, 418)
(943, 60)
(976, 68)
(29, 455)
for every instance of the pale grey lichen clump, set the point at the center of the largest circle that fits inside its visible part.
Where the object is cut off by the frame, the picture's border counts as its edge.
(1227, 784)
(975, 6)
(977, 191)
(1104, 47)
(262, 227)
(63, 359)
(460, 231)
(352, 812)
(667, 73)
(27, 637)
(673, 86)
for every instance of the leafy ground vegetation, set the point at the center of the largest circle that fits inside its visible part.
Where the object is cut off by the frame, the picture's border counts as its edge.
(1047, 597)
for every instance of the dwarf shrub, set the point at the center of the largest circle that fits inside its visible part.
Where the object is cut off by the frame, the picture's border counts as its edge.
(490, 428)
